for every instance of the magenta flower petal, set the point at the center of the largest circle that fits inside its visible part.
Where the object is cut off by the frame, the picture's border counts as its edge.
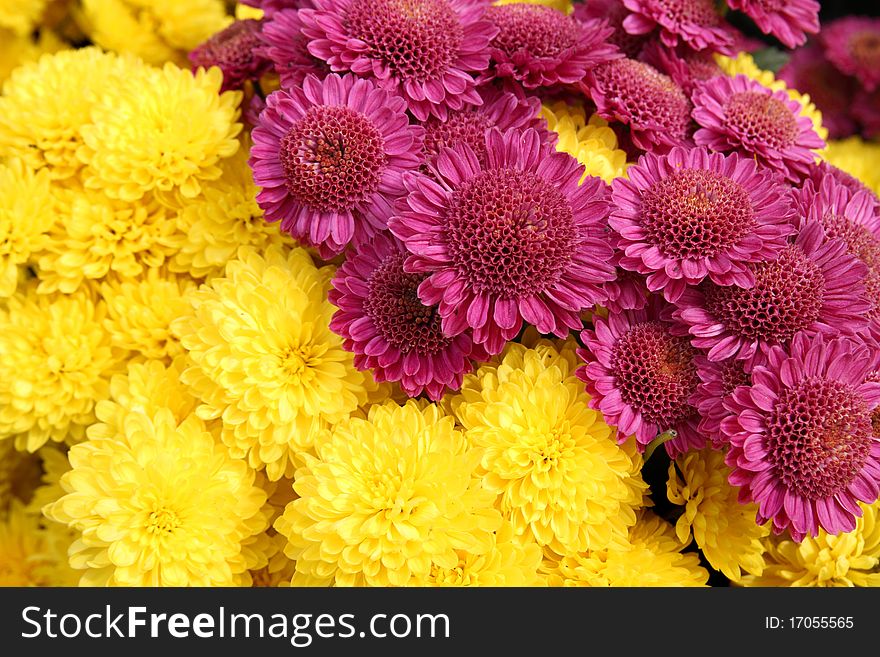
(511, 233)
(236, 51)
(285, 45)
(614, 13)
(739, 114)
(330, 157)
(810, 443)
(790, 21)
(697, 23)
(717, 382)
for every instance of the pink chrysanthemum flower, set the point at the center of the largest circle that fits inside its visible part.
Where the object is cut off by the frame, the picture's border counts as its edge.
(614, 13)
(235, 51)
(739, 114)
(514, 240)
(330, 159)
(541, 47)
(390, 331)
(686, 67)
(285, 45)
(851, 218)
(717, 382)
(423, 50)
(808, 71)
(697, 23)
(640, 375)
(626, 292)
(790, 21)
(655, 108)
(692, 215)
(801, 440)
(499, 109)
(852, 44)
(813, 286)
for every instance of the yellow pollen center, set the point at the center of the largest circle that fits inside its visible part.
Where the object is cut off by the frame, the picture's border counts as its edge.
(163, 521)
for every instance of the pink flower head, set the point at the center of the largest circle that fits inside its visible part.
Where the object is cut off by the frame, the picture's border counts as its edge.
(330, 159)
(626, 292)
(852, 218)
(866, 110)
(740, 114)
(285, 45)
(390, 331)
(809, 72)
(812, 286)
(788, 20)
(697, 23)
(686, 67)
(655, 108)
(640, 375)
(614, 13)
(499, 109)
(802, 445)
(514, 240)
(235, 50)
(690, 215)
(423, 50)
(852, 44)
(717, 382)
(541, 47)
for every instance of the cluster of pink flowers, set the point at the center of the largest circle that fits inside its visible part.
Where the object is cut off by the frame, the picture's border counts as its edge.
(726, 291)
(840, 70)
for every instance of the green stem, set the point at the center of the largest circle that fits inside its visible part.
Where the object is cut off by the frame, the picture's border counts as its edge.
(666, 436)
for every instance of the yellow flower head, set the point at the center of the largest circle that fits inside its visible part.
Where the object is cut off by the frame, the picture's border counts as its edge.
(264, 358)
(171, 510)
(851, 559)
(45, 105)
(386, 500)
(140, 312)
(858, 158)
(560, 474)
(32, 553)
(589, 140)
(19, 49)
(224, 217)
(157, 31)
(21, 16)
(165, 130)
(96, 235)
(744, 64)
(510, 562)
(724, 529)
(55, 364)
(651, 557)
(26, 216)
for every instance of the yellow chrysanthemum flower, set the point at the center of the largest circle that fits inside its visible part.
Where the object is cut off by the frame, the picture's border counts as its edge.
(21, 49)
(744, 64)
(165, 130)
(264, 358)
(158, 31)
(724, 529)
(140, 311)
(589, 140)
(224, 217)
(45, 105)
(26, 216)
(21, 16)
(651, 557)
(96, 235)
(510, 562)
(171, 511)
(565, 6)
(560, 475)
(32, 553)
(55, 364)
(858, 158)
(19, 474)
(387, 499)
(851, 559)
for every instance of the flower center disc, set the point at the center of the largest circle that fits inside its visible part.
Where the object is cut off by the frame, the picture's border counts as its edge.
(696, 213)
(819, 437)
(762, 118)
(332, 158)
(416, 39)
(510, 233)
